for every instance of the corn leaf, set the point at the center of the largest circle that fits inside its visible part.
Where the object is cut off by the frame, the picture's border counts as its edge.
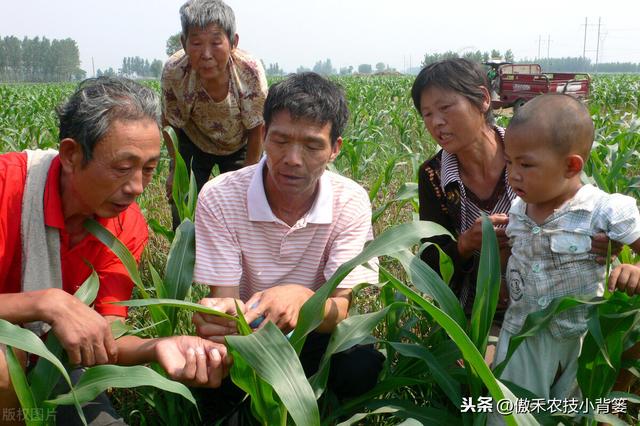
(349, 332)
(269, 353)
(178, 275)
(190, 306)
(487, 287)
(391, 241)
(122, 252)
(265, 404)
(429, 282)
(119, 249)
(448, 384)
(405, 409)
(21, 387)
(539, 320)
(470, 353)
(23, 339)
(44, 376)
(96, 380)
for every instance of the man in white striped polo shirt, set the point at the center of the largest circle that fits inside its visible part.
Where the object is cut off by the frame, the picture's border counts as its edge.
(269, 235)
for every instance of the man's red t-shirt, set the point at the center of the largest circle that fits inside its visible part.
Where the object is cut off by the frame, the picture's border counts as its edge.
(129, 226)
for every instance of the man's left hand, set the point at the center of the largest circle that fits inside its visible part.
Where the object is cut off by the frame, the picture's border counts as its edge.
(280, 304)
(193, 361)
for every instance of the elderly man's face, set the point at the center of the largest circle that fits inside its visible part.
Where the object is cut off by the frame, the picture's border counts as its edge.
(298, 151)
(122, 165)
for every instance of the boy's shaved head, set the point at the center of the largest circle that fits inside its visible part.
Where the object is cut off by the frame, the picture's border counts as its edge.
(560, 120)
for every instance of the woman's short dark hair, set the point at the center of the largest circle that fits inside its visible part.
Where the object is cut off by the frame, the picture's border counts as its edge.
(458, 75)
(310, 96)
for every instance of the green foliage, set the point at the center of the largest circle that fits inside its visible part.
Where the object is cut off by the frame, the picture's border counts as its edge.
(423, 331)
(39, 59)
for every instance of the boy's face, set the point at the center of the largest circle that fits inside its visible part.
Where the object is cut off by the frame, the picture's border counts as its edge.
(537, 172)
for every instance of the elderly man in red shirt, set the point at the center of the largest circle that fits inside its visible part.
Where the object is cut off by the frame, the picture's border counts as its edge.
(109, 148)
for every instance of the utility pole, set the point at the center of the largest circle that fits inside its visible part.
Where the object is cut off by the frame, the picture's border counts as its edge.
(539, 44)
(598, 45)
(584, 45)
(548, 46)
(93, 67)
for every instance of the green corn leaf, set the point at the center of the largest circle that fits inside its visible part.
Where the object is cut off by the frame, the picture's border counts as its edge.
(539, 320)
(158, 315)
(119, 249)
(96, 380)
(44, 376)
(447, 383)
(383, 387)
(389, 242)
(21, 387)
(161, 292)
(119, 329)
(192, 198)
(180, 189)
(178, 275)
(405, 409)
(269, 353)
(190, 306)
(473, 358)
(23, 339)
(349, 332)
(487, 287)
(265, 404)
(157, 228)
(429, 282)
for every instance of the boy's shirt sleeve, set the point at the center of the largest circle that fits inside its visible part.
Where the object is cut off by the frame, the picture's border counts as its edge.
(622, 219)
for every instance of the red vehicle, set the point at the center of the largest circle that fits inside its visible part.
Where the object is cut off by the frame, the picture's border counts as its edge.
(514, 84)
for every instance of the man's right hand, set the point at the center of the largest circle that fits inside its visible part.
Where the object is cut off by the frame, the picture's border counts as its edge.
(82, 332)
(214, 327)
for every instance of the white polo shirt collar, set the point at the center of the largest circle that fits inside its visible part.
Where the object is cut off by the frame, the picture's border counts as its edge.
(321, 212)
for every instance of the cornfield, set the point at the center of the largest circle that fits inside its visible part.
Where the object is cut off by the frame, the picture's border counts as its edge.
(419, 323)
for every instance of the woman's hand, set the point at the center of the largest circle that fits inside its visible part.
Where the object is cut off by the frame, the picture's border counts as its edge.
(600, 246)
(471, 239)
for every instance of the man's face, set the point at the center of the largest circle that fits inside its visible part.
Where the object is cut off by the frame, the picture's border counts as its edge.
(298, 151)
(122, 165)
(209, 50)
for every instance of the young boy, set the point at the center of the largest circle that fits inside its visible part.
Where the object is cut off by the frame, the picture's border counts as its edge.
(550, 225)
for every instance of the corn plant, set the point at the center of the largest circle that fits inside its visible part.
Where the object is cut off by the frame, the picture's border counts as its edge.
(35, 391)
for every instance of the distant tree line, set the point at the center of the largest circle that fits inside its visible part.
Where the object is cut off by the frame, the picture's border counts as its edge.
(326, 68)
(134, 67)
(476, 56)
(584, 65)
(568, 64)
(39, 60)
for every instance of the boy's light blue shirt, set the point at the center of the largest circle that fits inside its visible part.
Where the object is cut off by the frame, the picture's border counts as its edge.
(553, 259)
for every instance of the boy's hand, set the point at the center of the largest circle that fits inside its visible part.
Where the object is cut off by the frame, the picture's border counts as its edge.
(625, 277)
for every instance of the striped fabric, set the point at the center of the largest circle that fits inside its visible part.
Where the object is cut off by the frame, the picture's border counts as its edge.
(469, 210)
(239, 241)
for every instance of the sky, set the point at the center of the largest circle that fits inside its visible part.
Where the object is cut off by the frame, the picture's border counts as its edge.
(349, 32)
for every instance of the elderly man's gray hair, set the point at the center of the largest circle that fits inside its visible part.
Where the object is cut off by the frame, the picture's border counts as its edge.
(202, 13)
(97, 103)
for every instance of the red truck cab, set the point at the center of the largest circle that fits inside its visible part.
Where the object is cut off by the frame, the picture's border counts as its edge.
(514, 84)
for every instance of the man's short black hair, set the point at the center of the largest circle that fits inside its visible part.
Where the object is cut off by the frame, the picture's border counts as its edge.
(310, 96)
